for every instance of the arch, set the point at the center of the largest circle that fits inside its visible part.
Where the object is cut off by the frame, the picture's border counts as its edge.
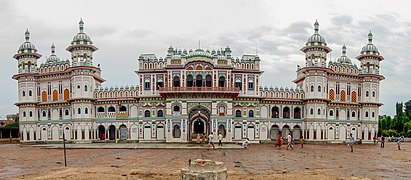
(331, 113)
(263, 132)
(147, 113)
(85, 88)
(44, 96)
(238, 131)
(85, 110)
(160, 113)
(78, 111)
(318, 111)
(312, 88)
(250, 131)
(343, 133)
(100, 109)
(66, 94)
(66, 112)
(55, 133)
(264, 112)
(122, 109)
(133, 111)
(31, 114)
(123, 132)
(353, 96)
(112, 132)
(331, 133)
(44, 134)
(296, 132)
(222, 130)
(319, 88)
(176, 81)
(275, 112)
(342, 95)
(331, 94)
(111, 109)
(251, 113)
(285, 130)
(199, 67)
(312, 111)
(297, 113)
(190, 68)
(199, 80)
(44, 114)
(208, 68)
(353, 113)
(221, 82)
(190, 81)
(176, 131)
(238, 113)
(286, 112)
(366, 113)
(373, 93)
(367, 94)
(134, 130)
(30, 93)
(209, 80)
(274, 132)
(160, 131)
(176, 108)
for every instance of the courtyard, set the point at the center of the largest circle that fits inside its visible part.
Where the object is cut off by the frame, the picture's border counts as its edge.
(260, 161)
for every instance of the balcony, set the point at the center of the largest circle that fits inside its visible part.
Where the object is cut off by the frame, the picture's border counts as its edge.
(193, 92)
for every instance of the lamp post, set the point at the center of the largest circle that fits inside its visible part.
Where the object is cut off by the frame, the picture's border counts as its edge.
(64, 147)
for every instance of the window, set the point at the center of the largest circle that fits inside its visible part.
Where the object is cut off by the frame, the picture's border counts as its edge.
(24, 113)
(176, 81)
(85, 87)
(30, 93)
(100, 109)
(238, 113)
(78, 111)
(123, 109)
(176, 108)
(221, 82)
(86, 111)
(366, 113)
(160, 113)
(319, 111)
(147, 113)
(31, 114)
(331, 113)
(319, 88)
(146, 85)
(311, 111)
(373, 94)
(44, 113)
(251, 113)
(66, 112)
(353, 114)
(176, 131)
(372, 114)
(275, 112)
(250, 85)
(312, 89)
(78, 86)
(367, 93)
(111, 109)
(24, 93)
(297, 113)
(286, 112)
(238, 85)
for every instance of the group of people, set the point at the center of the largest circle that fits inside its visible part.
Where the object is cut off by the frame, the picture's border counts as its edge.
(397, 140)
(290, 141)
(211, 140)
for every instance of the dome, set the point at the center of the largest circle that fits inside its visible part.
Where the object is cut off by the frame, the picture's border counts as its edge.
(316, 37)
(27, 45)
(199, 53)
(53, 58)
(370, 47)
(344, 59)
(81, 36)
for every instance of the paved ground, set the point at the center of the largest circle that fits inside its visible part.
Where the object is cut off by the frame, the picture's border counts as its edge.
(135, 146)
(258, 162)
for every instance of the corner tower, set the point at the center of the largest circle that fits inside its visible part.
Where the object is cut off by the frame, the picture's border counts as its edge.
(81, 48)
(27, 56)
(316, 49)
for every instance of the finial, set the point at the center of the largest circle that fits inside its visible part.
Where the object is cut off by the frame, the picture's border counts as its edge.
(81, 25)
(344, 50)
(199, 44)
(316, 26)
(53, 49)
(27, 35)
(370, 38)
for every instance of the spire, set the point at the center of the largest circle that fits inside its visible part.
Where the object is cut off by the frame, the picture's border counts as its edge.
(370, 38)
(344, 50)
(53, 49)
(27, 35)
(316, 26)
(81, 25)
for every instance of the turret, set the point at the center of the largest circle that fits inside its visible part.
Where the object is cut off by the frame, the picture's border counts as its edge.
(316, 49)
(370, 58)
(81, 48)
(27, 56)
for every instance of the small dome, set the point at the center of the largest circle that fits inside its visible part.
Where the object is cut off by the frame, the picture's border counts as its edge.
(199, 53)
(27, 45)
(344, 59)
(52, 59)
(81, 36)
(316, 37)
(370, 47)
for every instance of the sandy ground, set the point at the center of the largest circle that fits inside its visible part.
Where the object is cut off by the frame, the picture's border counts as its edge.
(258, 162)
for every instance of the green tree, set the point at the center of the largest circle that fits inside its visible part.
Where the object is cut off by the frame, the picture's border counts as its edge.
(408, 109)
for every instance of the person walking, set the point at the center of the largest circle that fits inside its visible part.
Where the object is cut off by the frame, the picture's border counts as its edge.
(210, 141)
(290, 141)
(279, 141)
(375, 140)
(220, 138)
(399, 143)
(302, 141)
(245, 143)
(382, 141)
(351, 143)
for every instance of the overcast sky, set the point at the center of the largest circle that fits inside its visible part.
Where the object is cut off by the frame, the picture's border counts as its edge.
(124, 29)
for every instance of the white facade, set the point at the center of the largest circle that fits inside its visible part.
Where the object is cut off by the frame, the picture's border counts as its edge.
(193, 92)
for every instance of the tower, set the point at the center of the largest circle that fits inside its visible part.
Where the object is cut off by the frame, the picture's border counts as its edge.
(370, 58)
(316, 49)
(27, 56)
(81, 48)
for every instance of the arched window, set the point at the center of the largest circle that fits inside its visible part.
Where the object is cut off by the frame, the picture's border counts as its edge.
(312, 88)
(238, 113)
(31, 114)
(319, 111)
(78, 86)
(44, 114)
(176, 81)
(85, 87)
(66, 112)
(30, 93)
(251, 113)
(176, 131)
(100, 109)
(367, 93)
(319, 88)
(373, 94)
(221, 82)
(331, 94)
(190, 81)
(311, 111)
(353, 114)
(111, 109)
(275, 112)
(160, 113)
(286, 112)
(24, 93)
(123, 109)
(297, 113)
(331, 113)
(176, 108)
(366, 113)
(372, 114)
(147, 113)
(78, 111)
(86, 111)
(24, 113)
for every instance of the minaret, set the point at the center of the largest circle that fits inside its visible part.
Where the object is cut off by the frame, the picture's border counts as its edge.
(370, 58)
(316, 49)
(27, 56)
(81, 48)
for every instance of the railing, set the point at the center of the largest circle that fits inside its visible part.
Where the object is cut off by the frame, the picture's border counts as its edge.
(199, 89)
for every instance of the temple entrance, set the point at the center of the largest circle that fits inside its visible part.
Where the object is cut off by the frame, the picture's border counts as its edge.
(199, 124)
